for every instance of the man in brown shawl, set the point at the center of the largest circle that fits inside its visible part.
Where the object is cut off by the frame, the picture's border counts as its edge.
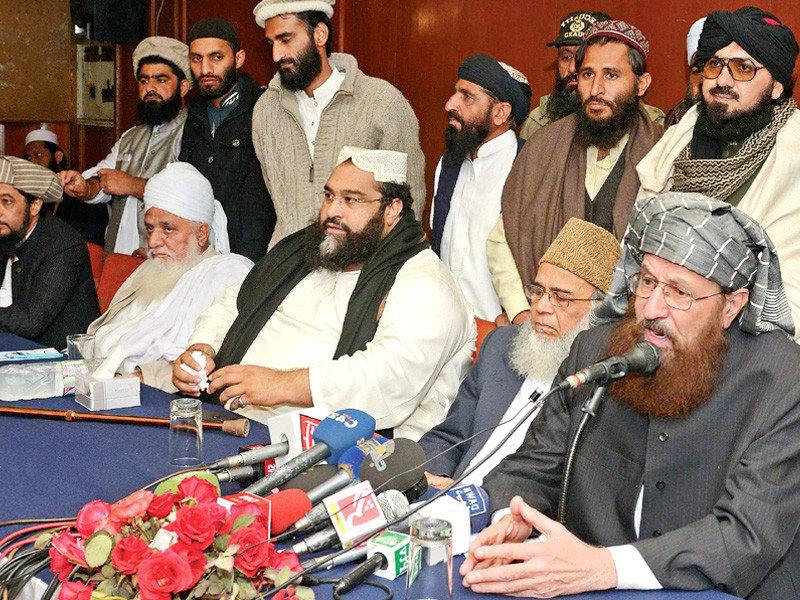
(581, 166)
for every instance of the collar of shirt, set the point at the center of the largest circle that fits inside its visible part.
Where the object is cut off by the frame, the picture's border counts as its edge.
(495, 145)
(324, 93)
(6, 295)
(217, 115)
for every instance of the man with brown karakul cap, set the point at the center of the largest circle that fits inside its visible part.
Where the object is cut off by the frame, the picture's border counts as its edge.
(46, 285)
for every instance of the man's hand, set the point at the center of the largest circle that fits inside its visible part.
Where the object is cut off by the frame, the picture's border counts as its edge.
(261, 386)
(502, 320)
(184, 381)
(561, 564)
(521, 317)
(78, 187)
(140, 253)
(119, 183)
(437, 481)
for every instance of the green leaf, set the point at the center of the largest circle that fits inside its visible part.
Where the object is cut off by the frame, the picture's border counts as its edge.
(284, 576)
(42, 541)
(215, 587)
(224, 562)
(242, 521)
(106, 587)
(98, 549)
(108, 571)
(247, 591)
(221, 543)
(304, 593)
(200, 588)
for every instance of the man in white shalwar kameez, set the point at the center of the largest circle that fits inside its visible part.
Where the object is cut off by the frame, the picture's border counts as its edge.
(153, 313)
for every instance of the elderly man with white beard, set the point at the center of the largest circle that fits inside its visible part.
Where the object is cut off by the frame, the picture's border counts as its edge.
(519, 362)
(153, 313)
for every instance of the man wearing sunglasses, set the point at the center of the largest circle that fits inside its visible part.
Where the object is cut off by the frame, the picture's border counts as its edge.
(740, 143)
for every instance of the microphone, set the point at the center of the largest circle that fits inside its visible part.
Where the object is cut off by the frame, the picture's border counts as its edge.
(335, 434)
(352, 555)
(643, 357)
(244, 473)
(477, 501)
(388, 558)
(251, 457)
(286, 507)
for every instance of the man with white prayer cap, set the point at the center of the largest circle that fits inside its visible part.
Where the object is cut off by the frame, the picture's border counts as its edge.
(353, 311)
(153, 313)
(46, 285)
(695, 78)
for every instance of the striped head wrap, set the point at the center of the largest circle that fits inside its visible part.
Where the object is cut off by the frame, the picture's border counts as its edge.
(30, 178)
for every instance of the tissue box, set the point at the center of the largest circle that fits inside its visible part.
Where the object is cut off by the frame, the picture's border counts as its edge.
(106, 394)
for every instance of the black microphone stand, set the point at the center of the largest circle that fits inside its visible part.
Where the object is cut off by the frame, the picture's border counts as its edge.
(589, 410)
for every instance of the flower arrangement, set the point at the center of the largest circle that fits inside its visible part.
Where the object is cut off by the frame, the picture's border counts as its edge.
(179, 544)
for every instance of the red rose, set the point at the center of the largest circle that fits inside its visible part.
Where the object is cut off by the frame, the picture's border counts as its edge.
(75, 590)
(286, 559)
(199, 489)
(59, 564)
(135, 505)
(94, 517)
(162, 505)
(163, 574)
(254, 550)
(128, 553)
(200, 523)
(249, 508)
(70, 548)
(194, 555)
(288, 593)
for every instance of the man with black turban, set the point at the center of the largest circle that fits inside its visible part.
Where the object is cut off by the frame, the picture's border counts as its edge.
(740, 143)
(488, 101)
(689, 477)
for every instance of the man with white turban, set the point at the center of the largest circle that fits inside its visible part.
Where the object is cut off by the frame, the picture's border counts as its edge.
(353, 311)
(153, 313)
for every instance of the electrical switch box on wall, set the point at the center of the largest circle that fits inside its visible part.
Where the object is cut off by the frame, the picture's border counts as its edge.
(95, 79)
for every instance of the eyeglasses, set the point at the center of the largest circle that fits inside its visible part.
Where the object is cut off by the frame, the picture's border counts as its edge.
(643, 286)
(741, 69)
(558, 299)
(325, 196)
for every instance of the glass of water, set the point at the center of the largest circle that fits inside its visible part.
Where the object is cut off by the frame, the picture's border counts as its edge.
(430, 564)
(185, 432)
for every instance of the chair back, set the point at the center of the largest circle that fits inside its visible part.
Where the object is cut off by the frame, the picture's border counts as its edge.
(484, 327)
(96, 258)
(116, 269)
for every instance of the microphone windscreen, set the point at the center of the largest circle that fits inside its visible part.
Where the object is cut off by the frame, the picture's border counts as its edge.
(393, 503)
(352, 458)
(644, 357)
(399, 466)
(418, 490)
(477, 501)
(287, 507)
(342, 429)
(311, 478)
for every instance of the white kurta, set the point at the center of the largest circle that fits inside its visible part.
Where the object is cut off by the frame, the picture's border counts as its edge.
(474, 209)
(407, 375)
(155, 334)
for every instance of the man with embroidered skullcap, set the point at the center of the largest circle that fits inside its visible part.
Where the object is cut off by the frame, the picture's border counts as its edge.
(218, 136)
(686, 478)
(189, 264)
(317, 103)
(564, 99)
(489, 99)
(161, 66)
(46, 285)
(520, 361)
(740, 143)
(582, 166)
(354, 311)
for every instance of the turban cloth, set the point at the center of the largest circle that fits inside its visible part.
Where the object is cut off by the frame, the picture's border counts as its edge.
(506, 83)
(759, 33)
(714, 240)
(182, 190)
(30, 178)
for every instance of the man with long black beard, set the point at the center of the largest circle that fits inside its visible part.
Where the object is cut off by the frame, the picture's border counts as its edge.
(161, 66)
(582, 166)
(317, 103)
(519, 361)
(740, 143)
(687, 478)
(480, 146)
(353, 311)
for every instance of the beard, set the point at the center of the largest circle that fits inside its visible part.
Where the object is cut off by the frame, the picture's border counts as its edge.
(564, 100)
(684, 380)
(219, 89)
(539, 358)
(716, 122)
(462, 143)
(154, 111)
(159, 276)
(337, 252)
(605, 133)
(308, 65)
(13, 239)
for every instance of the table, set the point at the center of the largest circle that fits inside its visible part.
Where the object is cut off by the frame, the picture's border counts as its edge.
(52, 468)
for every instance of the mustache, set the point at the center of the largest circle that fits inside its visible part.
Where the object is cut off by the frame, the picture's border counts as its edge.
(336, 221)
(286, 61)
(598, 99)
(657, 326)
(571, 78)
(723, 89)
(153, 96)
(452, 115)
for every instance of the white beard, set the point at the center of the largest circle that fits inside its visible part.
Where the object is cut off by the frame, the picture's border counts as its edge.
(328, 245)
(539, 358)
(158, 276)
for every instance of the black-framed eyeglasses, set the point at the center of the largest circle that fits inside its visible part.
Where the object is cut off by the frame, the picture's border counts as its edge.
(741, 69)
(643, 286)
(325, 196)
(559, 299)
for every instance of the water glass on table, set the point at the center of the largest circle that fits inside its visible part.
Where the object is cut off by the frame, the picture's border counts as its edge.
(185, 432)
(430, 563)
(80, 346)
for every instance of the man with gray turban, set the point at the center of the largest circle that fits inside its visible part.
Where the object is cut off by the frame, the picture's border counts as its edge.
(153, 313)
(489, 99)
(46, 285)
(354, 311)
(687, 477)
(161, 66)
(740, 142)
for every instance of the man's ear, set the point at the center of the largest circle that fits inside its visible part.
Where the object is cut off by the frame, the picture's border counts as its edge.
(645, 79)
(202, 233)
(184, 87)
(777, 90)
(239, 59)
(58, 156)
(320, 35)
(35, 207)
(392, 214)
(500, 113)
(734, 303)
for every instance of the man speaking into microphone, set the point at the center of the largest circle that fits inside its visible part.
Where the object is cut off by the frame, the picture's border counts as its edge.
(688, 478)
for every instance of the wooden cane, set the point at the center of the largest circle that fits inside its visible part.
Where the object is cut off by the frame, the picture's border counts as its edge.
(237, 427)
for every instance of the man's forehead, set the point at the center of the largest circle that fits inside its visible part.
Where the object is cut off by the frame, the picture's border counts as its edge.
(6, 189)
(557, 278)
(207, 45)
(155, 69)
(159, 215)
(35, 145)
(611, 54)
(670, 271)
(348, 176)
(279, 24)
(734, 50)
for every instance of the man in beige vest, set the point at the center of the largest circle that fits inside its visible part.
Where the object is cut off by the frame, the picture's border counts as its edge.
(161, 66)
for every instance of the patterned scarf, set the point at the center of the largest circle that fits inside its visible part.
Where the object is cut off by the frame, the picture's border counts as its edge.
(719, 178)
